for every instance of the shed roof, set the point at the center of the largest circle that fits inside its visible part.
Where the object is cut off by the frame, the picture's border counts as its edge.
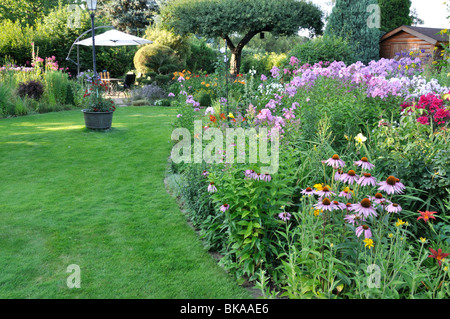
(430, 35)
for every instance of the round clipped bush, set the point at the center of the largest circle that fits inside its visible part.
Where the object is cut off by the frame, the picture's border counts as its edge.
(152, 57)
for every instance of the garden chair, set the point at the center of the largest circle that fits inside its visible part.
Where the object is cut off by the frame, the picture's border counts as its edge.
(104, 76)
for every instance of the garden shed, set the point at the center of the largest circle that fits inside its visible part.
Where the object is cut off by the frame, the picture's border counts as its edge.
(412, 38)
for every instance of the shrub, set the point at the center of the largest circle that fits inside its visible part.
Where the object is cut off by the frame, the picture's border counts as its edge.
(202, 57)
(326, 48)
(261, 62)
(31, 89)
(154, 56)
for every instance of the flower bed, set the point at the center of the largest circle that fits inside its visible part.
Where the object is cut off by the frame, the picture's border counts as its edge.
(362, 169)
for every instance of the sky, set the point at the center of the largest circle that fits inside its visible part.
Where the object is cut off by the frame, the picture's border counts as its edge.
(432, 12)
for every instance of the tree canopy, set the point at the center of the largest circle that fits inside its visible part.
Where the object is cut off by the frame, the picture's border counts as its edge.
(222, 18)
(395, 13)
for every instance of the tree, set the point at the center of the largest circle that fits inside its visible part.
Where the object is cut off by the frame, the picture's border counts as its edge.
(222, 18)
(358, 21)
(395, 13)
(131, 16)
(25, 11)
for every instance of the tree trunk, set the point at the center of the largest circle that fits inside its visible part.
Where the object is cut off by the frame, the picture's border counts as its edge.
(235, 61)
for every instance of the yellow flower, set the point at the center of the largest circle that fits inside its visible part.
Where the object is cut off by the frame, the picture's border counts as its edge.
(318, 187)
(406, 67)
(207, 85)
(369, 242)
(445, 268)
(391, 235)
(399, 223)
(231, 115)
(188, 77)
(423, 240)
(317, 212)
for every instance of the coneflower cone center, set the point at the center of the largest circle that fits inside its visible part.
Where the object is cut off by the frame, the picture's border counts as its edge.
(364, 159)
(308, 189)
(325, 189)
(365, 227)
(367, 175)
(378, 196)
(365, 203)
(351, 172)
(335, 157)
(391, 180)
(326, 201)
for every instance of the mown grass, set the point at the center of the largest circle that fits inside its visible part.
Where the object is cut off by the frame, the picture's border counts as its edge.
(97, 199)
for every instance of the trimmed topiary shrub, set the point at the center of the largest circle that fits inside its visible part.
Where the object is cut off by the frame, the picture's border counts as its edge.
(152, 57)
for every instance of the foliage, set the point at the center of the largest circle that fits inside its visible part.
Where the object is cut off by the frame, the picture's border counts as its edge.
(352, 21)
(261, 62)
(31, 89)
(94, 100)
(130, 16)
(395, 13)
(228, 17)
(326, 48)
(201, 57)
(26, 12)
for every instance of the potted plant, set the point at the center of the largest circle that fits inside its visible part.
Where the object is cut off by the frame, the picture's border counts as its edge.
(98, 110)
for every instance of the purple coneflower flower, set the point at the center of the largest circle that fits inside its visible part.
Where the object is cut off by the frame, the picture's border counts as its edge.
(338, 174)
(212, 188)
(394, 208)
(379, 199)
(339, 205)
(346, 193)
(224, 207)
(349, 207)
(266, 177)
(367, 179)
(354, 218)
(365, 207)
(391, 185)
(335, 161)
(363, 229)
(325, 204)
(349, 177)
(325, 191)
(364, 164)
(205, 173)
(284, 216)
(250, 174)
(308, 191)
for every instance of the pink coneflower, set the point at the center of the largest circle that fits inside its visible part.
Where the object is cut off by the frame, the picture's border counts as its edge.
(250, 174)
(308, 191)
(205, 173)
(335, 161)
(266, 177)
(224, 207)
(284, 216)
(365, 207)
(212, 188)
(354, 218)
(325, 191)
(325, 204)
(394, 208)
(366, 179)
(338, 174)
(346, 193)
(363, 229)
(391, 185)
(364, 164)
(349, 207)
(349, 177)
(339, 205)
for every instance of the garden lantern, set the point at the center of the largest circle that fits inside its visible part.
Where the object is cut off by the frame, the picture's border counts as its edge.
(92, 7)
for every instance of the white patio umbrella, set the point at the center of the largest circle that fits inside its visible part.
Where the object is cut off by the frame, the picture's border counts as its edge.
(114, 38)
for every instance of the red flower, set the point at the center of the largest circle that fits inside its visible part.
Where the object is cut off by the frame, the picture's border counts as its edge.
(426, 215)
(212, 118)
(439, 255)
(222, 116)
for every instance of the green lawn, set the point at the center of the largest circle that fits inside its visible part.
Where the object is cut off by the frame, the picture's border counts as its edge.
(97, 200)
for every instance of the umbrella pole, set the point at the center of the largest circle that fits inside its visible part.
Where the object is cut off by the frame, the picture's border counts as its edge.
(78, 60)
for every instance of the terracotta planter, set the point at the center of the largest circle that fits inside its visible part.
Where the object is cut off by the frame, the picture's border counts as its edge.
(98, 120)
